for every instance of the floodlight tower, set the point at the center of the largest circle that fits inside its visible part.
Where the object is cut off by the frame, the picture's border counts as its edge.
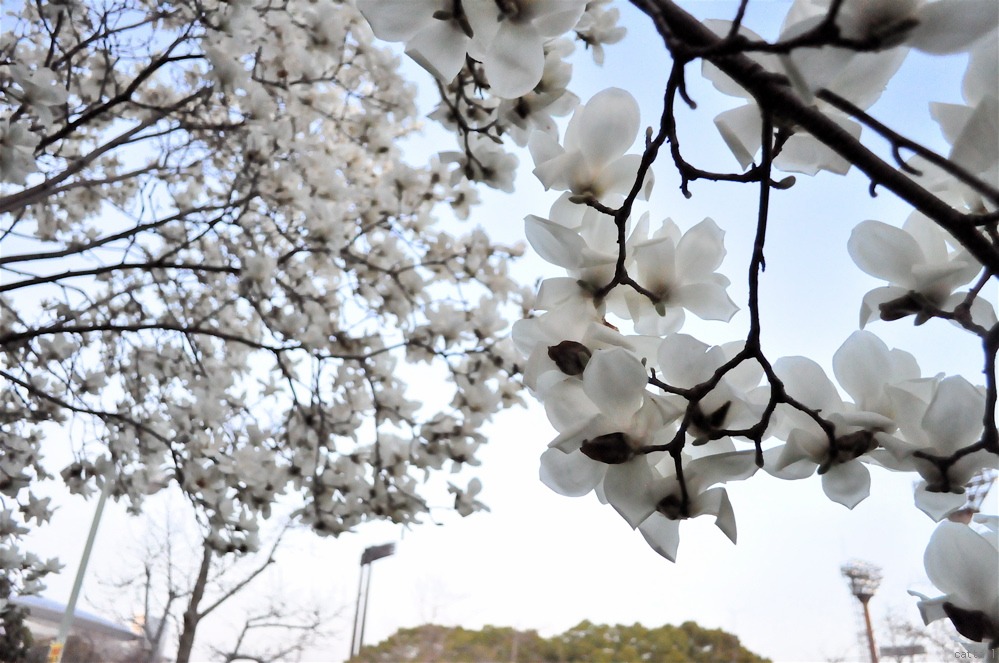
(864, 579)
(361, 611)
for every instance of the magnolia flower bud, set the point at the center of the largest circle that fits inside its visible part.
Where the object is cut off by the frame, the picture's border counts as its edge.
(612, 448)
(571, 357)
(671, 506)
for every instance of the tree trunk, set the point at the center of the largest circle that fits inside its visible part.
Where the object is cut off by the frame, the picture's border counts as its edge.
(191, 615)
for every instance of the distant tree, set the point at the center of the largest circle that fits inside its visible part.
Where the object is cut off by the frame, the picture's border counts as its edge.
(687, 643)
(584, 643)
(178, 583)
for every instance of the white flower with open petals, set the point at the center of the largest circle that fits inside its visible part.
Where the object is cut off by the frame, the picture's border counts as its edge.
(604, 419)
(510, 37)
(943, 26)
(867, 370)
(592, 159)
(664, 504)
(918, 264)
(685, 362)
(680, 270)
(507, 38)
(964, 564)
(938, 418)
(857, 76)
(434, 37)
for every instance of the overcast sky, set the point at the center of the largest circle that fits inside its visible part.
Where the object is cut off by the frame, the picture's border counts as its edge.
(542, 561)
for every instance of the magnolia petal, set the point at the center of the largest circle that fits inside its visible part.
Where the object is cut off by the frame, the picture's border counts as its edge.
(554, 243)
(630, 489)
(555, 173)
(862, 367)
(566, 404)
(700, 251)
(977, 146)
(806, 381)
(847, 483)
(655, 260)
(870, 307)
(608, 125)
(954, 417)
(930, 609)
(982, 71)
(982, 312)
(619, 175)
(440, 49)
(399, 20)
(804, 444)
(683, 360)
(952, 26)
(653, 324)
(792, 471)
(884, 251)
(543, 147)
(707, 471)
(555, 292)
(555, 17)
(708, 301)
(937, 505)
(571, 439)
(615, 381)
(803, 153)
(741, 128)
(515, 60)
(964, 566)
(903, 365)
(662, 535)
(951, 118)
(566, 213)
(715, 502)
(747, 375)
(865, 78)
(988, 527)
(570, 474)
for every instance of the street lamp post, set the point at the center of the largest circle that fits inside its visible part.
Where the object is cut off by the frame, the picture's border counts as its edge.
(864, 579)
(363, 588)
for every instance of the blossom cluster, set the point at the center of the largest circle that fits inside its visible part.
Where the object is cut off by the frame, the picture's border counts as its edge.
(657, 422)
(219, 273)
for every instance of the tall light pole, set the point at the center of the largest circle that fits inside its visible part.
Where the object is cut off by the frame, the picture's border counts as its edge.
(364, 586)
(57, 645)
(864, 579)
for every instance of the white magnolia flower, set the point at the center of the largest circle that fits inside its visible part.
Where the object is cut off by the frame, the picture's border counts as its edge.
(584, 242)
(938, 418)
(17, 148)
(661, 499)
(858, 77)
(533, 110)
(866, 369)
(464, 500)
(434, 37)
(943, 26)
(685, 362)
(964, 564)
(511, 40)
(919, 265)
(507, 38)
(681, 272)
(592, 160)
(604, 419)
(598, 26)
(39, 90)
